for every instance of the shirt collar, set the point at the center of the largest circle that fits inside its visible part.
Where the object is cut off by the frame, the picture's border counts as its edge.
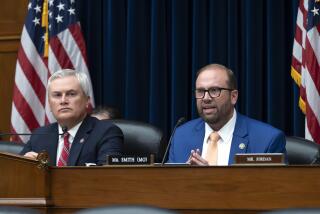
(226, 131)
(73, 131)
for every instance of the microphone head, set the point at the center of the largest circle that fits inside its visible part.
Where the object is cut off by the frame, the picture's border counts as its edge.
(64, 129)
(181, 121)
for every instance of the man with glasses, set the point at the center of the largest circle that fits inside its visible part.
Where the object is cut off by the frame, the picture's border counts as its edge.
(221, 132)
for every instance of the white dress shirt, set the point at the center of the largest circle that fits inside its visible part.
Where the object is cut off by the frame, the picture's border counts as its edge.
(72, 133)
(224, 143)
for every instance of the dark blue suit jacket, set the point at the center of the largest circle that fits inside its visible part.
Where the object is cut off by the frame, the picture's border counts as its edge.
(257, 137)
(94, 140)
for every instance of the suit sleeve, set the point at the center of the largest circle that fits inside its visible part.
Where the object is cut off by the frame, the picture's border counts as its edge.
(171, 158)
(27, 148)
(278, 145)
(110, 144)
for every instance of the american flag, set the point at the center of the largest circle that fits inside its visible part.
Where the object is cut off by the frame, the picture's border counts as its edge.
(305, 68)
(51, 40)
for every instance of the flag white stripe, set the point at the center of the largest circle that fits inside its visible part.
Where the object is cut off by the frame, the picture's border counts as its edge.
(303, 30)
(307, 132)
(72, 49)
(306, 4)
(29, 95)
(303, 73)
(53, 63)
(297, 51)
(19, 125)
(33, 56)
(300, 19)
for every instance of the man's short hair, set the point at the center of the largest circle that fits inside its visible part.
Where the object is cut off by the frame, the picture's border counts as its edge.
(232, 80)
(81, 76)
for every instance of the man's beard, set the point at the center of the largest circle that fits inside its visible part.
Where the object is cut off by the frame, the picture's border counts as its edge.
(214, 118)
(220, 117)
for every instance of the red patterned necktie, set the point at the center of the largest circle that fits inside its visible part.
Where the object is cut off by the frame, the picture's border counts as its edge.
(212, 149)
(63, 160)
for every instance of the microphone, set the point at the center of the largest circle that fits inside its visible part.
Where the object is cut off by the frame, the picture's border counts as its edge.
(14, 137)
(64, 130)
(14, 134)
(29, 134)
(180, 122)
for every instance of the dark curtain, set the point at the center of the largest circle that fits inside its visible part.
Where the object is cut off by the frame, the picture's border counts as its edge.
(143, 56)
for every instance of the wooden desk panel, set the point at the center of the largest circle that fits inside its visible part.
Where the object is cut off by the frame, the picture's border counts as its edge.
(22, 182)
(187, 188)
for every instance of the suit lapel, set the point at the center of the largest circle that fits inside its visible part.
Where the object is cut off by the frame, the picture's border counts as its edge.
(52, 143)
(80, 139)
(239, 140)
(197, 142)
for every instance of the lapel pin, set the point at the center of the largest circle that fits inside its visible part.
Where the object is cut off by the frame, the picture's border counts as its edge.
(242, 146)
(82, 140)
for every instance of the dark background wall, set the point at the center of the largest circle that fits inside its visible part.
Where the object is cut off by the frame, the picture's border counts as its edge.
(143, 55)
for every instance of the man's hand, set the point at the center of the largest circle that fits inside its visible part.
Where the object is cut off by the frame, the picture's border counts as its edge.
(31, 154)
(196, 159)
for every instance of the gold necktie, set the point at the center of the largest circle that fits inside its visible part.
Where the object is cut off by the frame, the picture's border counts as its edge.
(212, 149)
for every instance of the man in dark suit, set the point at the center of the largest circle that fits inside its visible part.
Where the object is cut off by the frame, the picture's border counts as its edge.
(221, 132)
(76, 138)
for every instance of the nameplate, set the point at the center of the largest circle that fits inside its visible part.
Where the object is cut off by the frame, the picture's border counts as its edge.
(130, 160)
(260, 159)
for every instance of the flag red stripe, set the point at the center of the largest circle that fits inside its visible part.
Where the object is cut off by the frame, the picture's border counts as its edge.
(60, 53)
(312, 65)
(45, 61)
(24, 109)
(32, 76)
(301, 6)
(296, 64)
(303, 93)
(298, 35)
(304, 14)
(75, 31)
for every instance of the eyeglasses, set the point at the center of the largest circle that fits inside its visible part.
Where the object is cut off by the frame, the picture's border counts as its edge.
(213, 92)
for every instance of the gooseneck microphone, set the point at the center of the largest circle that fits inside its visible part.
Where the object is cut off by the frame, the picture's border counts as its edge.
(6, 134)
(180, 122)
(14, 134)
(64, 130)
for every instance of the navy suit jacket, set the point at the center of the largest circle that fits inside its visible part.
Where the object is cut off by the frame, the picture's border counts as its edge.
(257, 137)
(93, 141)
